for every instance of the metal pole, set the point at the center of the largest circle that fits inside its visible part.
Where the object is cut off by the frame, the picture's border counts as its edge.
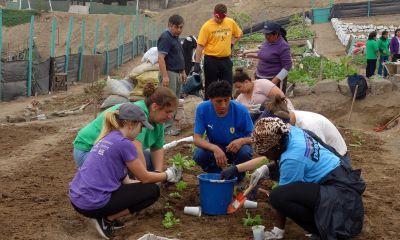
(137, 23)
(20, 4)
(53, 36)
(68, 45)
(1, 53)
(96, 36)
(144, 31)
(30, 57)
(118, 45)
(29, 5)
(137, 7)
(133, 38)
(369, 7)
(123, 41)
(51, 7)
(82, 50)
(107, 54)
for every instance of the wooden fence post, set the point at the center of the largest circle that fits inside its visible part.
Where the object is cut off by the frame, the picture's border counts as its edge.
(107, 54)
(30, 56)
(96, 36)
(53, 36)
(81, 49)
(133, 39)
(68, 46)
(1, 53)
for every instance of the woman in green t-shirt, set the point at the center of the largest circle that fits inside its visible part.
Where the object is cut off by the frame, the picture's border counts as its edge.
(384, 53)
(159, 106)
(371, 54)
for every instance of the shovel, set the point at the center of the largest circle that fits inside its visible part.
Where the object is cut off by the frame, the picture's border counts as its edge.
(380, 129)
(239, 200)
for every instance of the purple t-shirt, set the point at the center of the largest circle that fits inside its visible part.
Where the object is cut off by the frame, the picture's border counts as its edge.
(272, 57)
(102, 172)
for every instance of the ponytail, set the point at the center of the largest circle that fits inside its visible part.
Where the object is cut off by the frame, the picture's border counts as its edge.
(111, 123)
(278, 107)
(240, 75)
(162, 96)
(283, 33)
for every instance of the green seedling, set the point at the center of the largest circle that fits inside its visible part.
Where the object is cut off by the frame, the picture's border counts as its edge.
(182, 162)
(169, 220)
(175, 195)
(181, 185)
(276, 184)
(250, 221)
(167, 206)
(263, 162)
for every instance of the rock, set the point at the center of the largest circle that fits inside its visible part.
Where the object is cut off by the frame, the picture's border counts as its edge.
(301, 89)
(344, 88)
(325, 86)
(380, 86)
(395, 80)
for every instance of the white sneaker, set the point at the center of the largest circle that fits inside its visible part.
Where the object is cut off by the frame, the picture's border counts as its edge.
(275, 233)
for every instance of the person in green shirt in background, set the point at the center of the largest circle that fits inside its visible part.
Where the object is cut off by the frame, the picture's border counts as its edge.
(372, 54)
(159, 106)
(384, 53)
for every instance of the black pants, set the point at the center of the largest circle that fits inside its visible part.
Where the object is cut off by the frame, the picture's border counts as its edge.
(135, 197)
(395, 57)
(297, 201)
(215, 69)
(371, 66)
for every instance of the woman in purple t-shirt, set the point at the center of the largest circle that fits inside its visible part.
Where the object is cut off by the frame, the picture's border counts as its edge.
(101, 189)
(274, 59)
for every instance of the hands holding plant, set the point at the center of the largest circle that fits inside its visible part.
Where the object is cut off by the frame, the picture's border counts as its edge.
(174, 174)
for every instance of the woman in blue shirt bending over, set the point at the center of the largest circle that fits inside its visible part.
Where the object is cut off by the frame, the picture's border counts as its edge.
(315, 190)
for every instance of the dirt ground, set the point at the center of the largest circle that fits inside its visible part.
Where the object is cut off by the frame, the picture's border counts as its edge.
(36, 167)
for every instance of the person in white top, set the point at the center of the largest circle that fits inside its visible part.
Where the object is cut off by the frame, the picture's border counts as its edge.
(254, 94)
(314, 122)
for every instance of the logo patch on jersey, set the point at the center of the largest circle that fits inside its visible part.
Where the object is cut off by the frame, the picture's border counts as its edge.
(312, 148)
(232, 130)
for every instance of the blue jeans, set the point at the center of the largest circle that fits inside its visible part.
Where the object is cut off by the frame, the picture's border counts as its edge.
(80, 156)
(382, 59)
(206, 160)
(147, 157)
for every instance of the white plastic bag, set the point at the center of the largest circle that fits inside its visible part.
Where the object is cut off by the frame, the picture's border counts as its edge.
(118, 87)
(151, 56)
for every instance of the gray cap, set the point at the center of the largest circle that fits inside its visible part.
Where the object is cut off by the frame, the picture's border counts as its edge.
(129, 111)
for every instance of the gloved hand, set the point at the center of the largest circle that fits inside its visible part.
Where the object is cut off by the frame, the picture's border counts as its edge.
(261, 172)
(197, 68)
(173, 174)
(229, 173)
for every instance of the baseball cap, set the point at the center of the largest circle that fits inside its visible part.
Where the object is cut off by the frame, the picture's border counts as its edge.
(270, 27)
(129, 111)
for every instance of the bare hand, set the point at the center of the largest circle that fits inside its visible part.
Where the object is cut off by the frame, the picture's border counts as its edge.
(183, 77)
(234, 146)
(220, 157)
(165, 81)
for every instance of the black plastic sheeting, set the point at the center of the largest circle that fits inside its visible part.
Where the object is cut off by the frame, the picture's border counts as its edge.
(14, 79)
(282, 21)
(73, 67)
(360, 9)
(41, 78)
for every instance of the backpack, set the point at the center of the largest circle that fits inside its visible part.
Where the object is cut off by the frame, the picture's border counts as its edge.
(359, 80)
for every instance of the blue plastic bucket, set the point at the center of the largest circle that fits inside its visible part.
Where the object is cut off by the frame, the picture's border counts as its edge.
(215, 194)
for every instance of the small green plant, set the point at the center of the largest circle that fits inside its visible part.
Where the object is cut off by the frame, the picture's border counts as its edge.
(181, 185)
(175, 195)
(169, 220)
(182, 162)
(263, 162)
(168, 206)
(250, 221)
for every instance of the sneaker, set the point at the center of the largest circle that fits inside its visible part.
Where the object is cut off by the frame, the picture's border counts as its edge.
(275, 233)
(117, 224)
(104, 227)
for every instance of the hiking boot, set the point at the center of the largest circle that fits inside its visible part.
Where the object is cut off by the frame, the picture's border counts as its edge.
(275, 233)
(117, 224)
(104, 227)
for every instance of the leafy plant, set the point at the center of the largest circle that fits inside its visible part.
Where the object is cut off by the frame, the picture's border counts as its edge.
(182, 162)
(359, 60)
(255, 37)
(181, 185)
(168, 206)
(243, 19)
(13, 17)
(250, 221)
(175, 195)
(169, 220)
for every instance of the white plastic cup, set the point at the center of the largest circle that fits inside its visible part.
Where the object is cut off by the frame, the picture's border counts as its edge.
(194, 211)
(258, 232)
(250, 204)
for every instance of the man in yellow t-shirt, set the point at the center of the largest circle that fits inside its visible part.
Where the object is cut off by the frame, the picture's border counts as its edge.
(215, 39)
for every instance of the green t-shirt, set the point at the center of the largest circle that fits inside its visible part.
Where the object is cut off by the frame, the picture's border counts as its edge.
(383, 46)
(87, 136)
(372, 47)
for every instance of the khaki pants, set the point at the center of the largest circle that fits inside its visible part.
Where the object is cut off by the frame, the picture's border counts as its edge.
(174, 82)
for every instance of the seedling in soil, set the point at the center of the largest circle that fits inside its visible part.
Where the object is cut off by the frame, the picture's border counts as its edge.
(181, 185)
(250, 221)
(182, 162)
(169, 220)
(175, 195)
(168, 206)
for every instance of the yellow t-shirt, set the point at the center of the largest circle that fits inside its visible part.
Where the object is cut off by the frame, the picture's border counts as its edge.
(217, 38)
